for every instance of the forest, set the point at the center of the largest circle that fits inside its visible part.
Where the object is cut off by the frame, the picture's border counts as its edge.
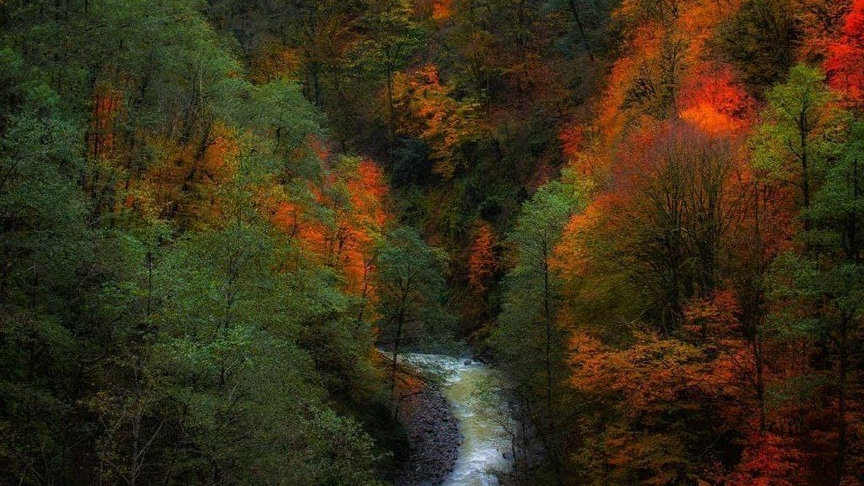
(223, 221)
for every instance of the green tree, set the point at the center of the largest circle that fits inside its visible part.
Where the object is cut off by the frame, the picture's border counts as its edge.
(824, 289)
(526, 327)
(393, 37)
(47, 250)
(589, 21)
(229, 358)
(410, 283)
(799, 132)
(144, 340)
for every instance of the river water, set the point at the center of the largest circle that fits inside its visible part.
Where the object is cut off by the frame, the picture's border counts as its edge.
(474, 392)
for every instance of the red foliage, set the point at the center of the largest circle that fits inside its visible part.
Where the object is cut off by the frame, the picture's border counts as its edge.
(578, 153)
(300, 224)
(715, 103)
(427, 110)
(650, 384)
(572, 139)
(573, 256)
(845, 63)
(436, 10)
(185, 183)
(442, 9)
(482, 262)
(714, 316)
(355, 193)
(769, 460)
(106, 105)
(365, 217)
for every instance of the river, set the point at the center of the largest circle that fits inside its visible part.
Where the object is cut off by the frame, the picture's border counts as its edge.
(474, 393)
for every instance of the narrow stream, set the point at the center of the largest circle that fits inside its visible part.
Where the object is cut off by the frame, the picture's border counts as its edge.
(474, 393)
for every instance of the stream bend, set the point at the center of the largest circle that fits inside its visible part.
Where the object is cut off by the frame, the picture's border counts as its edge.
(474, 392)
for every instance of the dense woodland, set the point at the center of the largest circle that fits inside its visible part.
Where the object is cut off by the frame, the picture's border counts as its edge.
(649, 214)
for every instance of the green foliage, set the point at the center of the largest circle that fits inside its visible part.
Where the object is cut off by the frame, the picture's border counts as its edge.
(837, 207)
(179, 248)
(818, 294)
(144, 345)
(46, 249)
(532, 281)
(588, 25)
(230, 360)
(542, 220)
(532, 285)
(526, 339)
(393, 37)
(800, 132)
(411, 290)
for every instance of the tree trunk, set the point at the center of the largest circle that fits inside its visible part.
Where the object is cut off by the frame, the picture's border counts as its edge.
(547, 315)
(397, 342)
(841, 400)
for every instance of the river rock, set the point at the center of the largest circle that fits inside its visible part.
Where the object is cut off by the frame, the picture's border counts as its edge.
(433, 434)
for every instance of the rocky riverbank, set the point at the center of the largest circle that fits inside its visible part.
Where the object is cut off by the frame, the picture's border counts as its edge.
(433, 434)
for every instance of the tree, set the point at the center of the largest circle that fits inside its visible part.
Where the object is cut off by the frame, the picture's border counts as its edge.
(393, 36)
(48, 253)
(798, 134)
(482, 262)
(654, 403)
(759, 233)
(843, 67)
(526, 327)
(428, 111)
(760, 40)
(821, 292)
(669, 214)
(150, 308)
(410, 294)
(588, 23)
(229, 355)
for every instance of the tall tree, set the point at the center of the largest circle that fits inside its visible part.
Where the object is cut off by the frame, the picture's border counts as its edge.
(526, 327)
(393, 37)
(823, 289)
(48, 268)
(410, 293)
(799, 132)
